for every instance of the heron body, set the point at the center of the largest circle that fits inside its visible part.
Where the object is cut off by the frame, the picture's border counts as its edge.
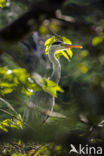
(42, 99)
(39, 100)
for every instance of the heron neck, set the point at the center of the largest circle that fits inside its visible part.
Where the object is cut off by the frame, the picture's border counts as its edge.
(56, 74)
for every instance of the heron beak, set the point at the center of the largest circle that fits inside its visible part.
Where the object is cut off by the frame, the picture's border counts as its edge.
(67, 46)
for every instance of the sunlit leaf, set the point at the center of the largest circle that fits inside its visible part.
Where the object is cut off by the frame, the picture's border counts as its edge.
(19, 123)
(7, 121)
(13, 126)
(31, 152)
(102, 83)
(6, 84)
(46, 50)
(69, 52)
(43, 30)
(5, 124)
(50, 41)
(20, 117)
(47, 85)
(3, 128)
(12, 123)
(3, 70)
(33, 86)
(66, 40)
(26, 91)
(97, 40)
(83, 68)
(21, 74)
(6, 91)
(19, 142)
(83, 53)
(60, 52)
(53, 27)
(58, 148)
(2, 3)
(51, 87)
(14, 154)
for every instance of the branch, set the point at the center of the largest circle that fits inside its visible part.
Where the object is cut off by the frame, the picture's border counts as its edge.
(25, 24)
(8, 104)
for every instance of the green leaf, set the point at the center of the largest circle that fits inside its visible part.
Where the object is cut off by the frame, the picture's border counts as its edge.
(66, 40)
(51, 87)
(6, 84)
(19, 123)
(60, 52)
(3, 71)
(43, 30)
(97, 40)
(46, 50)
(14, 154)
(5, 124)
(19, 142)
(14, 126)
(33, 86)
(13, 123)
(83, 53)
(2, 3)
(47, 85)
(26, 91)
(7, 121)
(21, 74)
(3, 128)
(6, 91)
(20, 117)
(50, 41)
(69, 52)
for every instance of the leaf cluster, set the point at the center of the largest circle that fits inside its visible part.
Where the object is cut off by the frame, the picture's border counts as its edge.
(98, 39)
(2, 3)
(19, 80)
(47, 85)
(15, 122)
(12, 80)
(67, 53)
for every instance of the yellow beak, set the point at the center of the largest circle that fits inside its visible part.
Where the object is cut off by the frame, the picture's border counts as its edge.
(72, 46)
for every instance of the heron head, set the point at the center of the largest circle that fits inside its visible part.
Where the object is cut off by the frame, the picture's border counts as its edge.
(59, 45)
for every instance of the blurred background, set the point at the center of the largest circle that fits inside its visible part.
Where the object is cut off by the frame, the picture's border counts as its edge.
(82, 79)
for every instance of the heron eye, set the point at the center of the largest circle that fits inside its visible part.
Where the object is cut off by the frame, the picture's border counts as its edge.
(56, 43)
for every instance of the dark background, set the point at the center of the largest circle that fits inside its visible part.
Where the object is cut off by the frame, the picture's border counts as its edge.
(24, 27)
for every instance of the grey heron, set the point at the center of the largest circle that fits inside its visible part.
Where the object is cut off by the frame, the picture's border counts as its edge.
(42, 99)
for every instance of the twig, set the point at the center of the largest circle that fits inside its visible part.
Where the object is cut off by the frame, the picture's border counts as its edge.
(2, 110)
(8, 104)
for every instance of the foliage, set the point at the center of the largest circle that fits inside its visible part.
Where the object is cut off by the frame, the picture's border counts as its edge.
(10, 80)
(28, 150)
(15, 122)
(18, 79)
(98, 39)
(2, 3)
(82, 80)
(47, 85)
(66, 53)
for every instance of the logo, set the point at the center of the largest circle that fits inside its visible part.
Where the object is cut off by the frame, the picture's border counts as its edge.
(86, 150)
